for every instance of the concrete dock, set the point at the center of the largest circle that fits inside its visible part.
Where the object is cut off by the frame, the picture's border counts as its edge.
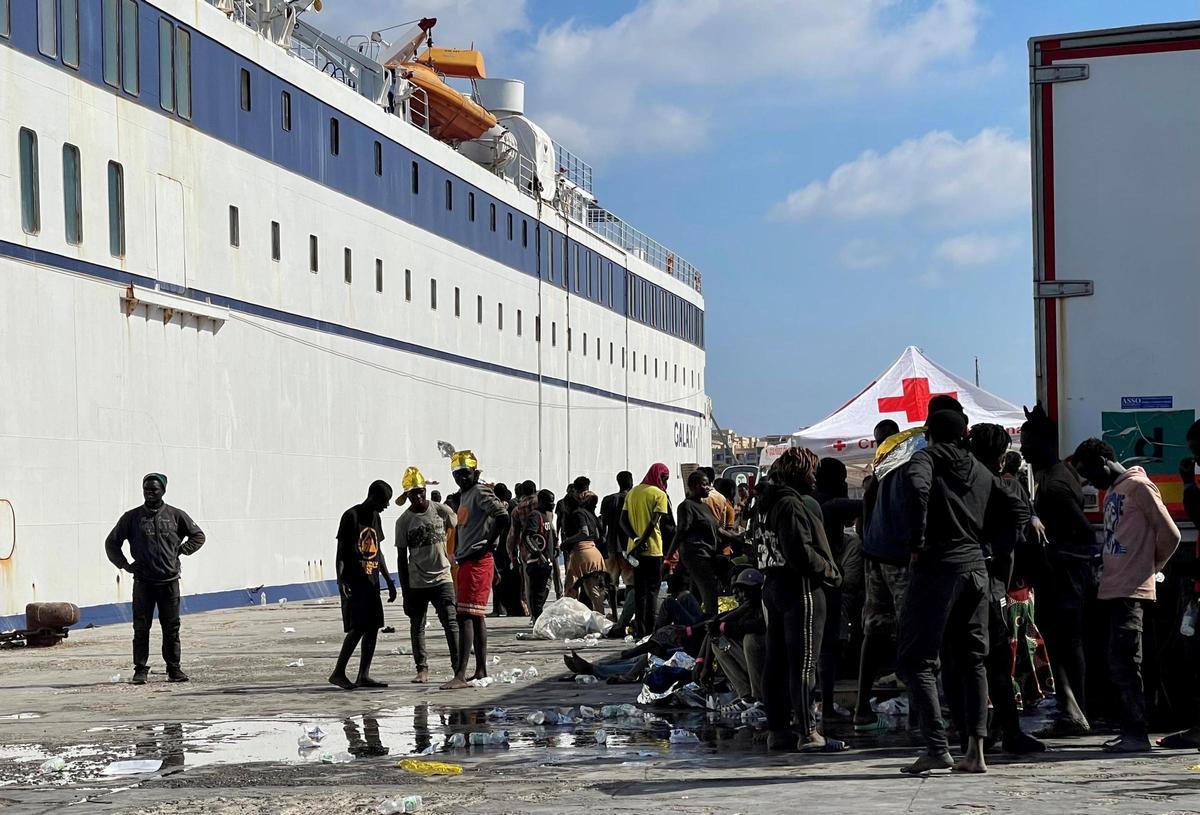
(227, 740)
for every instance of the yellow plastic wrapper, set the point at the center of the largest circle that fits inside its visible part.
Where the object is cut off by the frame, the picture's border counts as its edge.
(725, 604)
(464, 460)
(412, 479)
(418, 767)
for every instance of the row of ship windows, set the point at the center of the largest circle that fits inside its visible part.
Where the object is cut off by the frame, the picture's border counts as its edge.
(594, 276)
(314, 266)
(31, 223)
(58, 39)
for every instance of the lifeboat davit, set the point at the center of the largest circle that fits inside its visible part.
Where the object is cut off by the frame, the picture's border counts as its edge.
(452, 116)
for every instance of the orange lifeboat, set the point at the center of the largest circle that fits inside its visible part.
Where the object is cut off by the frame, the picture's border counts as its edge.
(452, 116)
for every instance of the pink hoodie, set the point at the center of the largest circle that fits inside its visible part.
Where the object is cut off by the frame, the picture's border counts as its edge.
(1139, 537)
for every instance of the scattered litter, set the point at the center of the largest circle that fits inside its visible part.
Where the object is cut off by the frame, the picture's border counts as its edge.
(509, 677)
(531, 672)
(586, 679)
(586, 712)
(527, 635)
(646, 754)
(388, 629)
(22, 716)
(683, 737)
(320, 642)
(458, 740)
(138, 766)
(601, 737)
(497, 713)
(419, 767)
(679, 659)
(297, 664)
(336, 758)
(485, 682)
(629, 638)
(287, 629)
(409, 803)
(495, 660)
(625, 711)
(115, 678)
(54, 765)
(897, 706)
(282, 601)
(314, 732)
(402, 650)
(494, 739)
(536, 718)
(428, 751)
(305, 743)
(1195, 768)
(567, 618)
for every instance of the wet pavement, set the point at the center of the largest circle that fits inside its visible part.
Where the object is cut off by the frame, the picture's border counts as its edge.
(235, 739)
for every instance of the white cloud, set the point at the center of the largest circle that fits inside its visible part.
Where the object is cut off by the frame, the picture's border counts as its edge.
(861, 254)
(936, 177)
(461, 23)
(976, 249)
(658, 77)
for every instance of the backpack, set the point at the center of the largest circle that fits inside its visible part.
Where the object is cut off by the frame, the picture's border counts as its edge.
(888, 533)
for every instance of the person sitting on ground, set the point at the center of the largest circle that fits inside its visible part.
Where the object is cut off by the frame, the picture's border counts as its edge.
(740, 647)
(1139, 539)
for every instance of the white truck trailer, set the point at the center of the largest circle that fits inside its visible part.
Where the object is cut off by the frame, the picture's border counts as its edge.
(1115, 131)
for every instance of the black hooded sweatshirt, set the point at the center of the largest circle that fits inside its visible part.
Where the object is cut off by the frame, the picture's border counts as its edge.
(797, 523)
(949, 496)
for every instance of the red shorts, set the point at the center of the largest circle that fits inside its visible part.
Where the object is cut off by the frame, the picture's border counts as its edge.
(474, 586)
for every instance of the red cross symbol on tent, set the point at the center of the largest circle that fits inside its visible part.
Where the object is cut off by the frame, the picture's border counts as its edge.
(915, 401)
(839, 445)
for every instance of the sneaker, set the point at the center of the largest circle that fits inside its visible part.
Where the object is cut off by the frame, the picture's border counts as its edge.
(176, 675)
(140, 675)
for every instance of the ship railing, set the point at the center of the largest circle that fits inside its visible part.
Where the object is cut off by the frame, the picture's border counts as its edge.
(575, 169)
(642, 246)
(415, 109)
(527, 180)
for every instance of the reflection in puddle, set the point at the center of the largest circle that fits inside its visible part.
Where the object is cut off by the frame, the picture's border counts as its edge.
(397, 732)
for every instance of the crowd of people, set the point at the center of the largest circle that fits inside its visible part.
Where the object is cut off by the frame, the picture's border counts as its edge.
(931, 575)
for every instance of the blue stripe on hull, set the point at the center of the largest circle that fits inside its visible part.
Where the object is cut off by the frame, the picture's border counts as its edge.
(111, 613)
(82, 267)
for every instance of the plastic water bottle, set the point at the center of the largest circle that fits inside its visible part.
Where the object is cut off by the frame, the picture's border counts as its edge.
(458, 740)
(479, 738)
(1188, 626)
(262, 599)
(601, 737)
(536, 718)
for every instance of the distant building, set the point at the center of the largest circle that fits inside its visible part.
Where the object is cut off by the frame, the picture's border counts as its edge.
(730, 448)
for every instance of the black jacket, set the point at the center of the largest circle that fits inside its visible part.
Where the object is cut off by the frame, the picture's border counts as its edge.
(1001, 538)
(156, 540)
(1058, 502)
(796, 522)
(948, 497)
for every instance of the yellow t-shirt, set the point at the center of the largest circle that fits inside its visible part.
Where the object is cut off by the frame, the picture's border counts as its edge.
(641, 503)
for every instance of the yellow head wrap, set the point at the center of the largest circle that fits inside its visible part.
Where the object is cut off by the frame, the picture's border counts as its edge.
(463, 460)
(412, 479)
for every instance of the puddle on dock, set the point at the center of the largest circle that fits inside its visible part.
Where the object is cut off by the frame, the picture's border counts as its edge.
(391, 732)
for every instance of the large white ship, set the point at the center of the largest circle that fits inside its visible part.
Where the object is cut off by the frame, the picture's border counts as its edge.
(275, 267)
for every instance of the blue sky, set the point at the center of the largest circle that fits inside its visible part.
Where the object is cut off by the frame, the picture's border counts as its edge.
(851, 177)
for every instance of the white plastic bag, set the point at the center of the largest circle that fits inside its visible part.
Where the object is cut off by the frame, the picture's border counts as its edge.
(569, 619)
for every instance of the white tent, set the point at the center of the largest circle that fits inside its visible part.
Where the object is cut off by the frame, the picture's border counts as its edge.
(901, 393)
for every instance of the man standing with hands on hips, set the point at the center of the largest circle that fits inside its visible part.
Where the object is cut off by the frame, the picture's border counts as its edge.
(157, 534)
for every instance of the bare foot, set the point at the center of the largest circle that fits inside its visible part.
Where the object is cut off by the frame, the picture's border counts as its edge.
(928, 763)
(368, 682)
(974, 761)
(480, 673)
(422, 678)
(341, 680)
(455, 684)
